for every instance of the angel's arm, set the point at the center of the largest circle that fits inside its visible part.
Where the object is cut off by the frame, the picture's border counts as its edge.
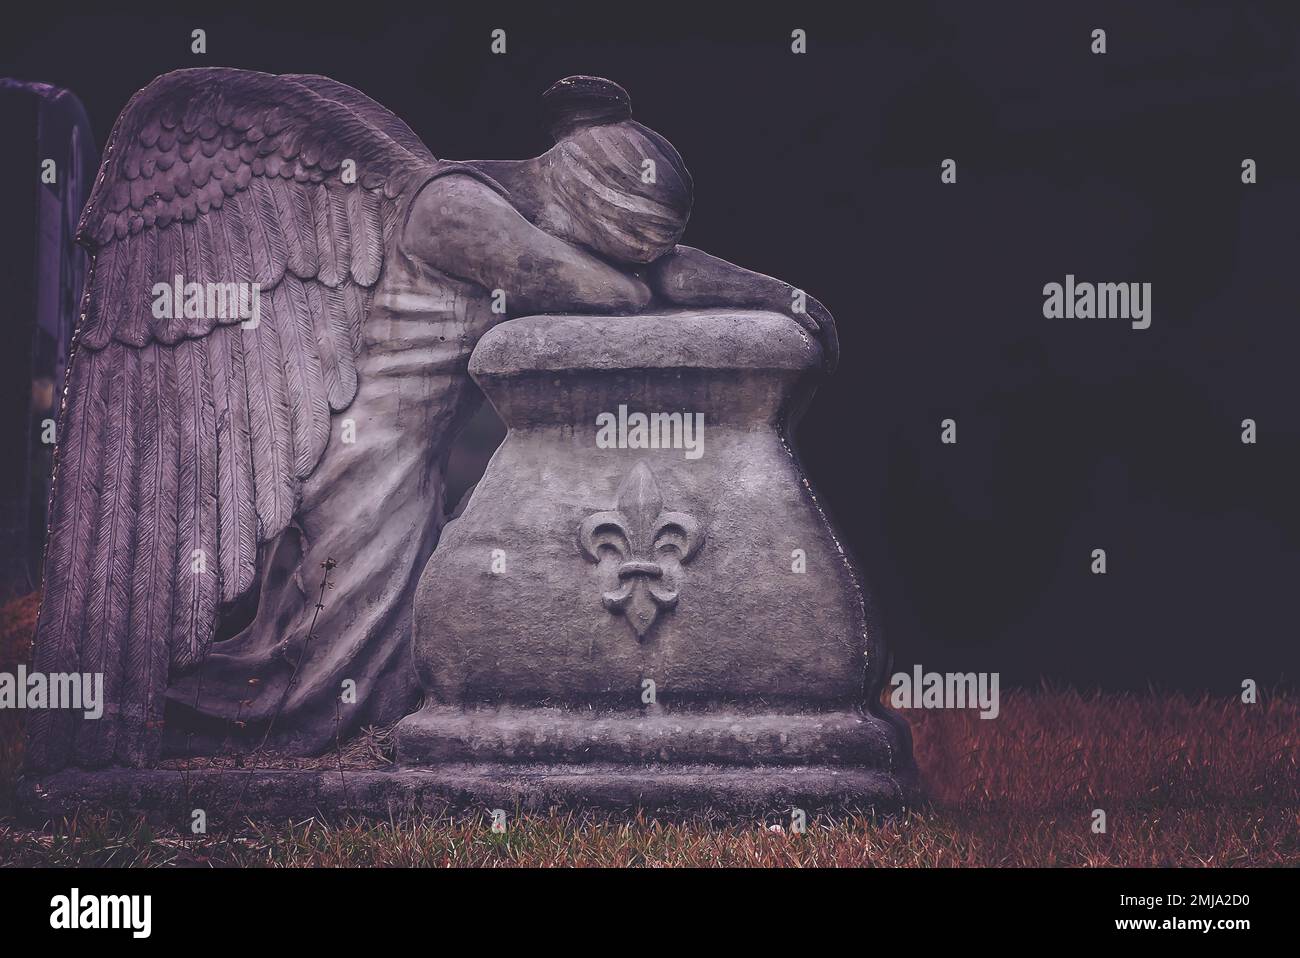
(466, 229)
(691, 277)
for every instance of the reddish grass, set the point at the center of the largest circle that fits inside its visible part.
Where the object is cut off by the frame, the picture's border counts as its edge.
(17, 626)
(1058, 749)
(1183, 781)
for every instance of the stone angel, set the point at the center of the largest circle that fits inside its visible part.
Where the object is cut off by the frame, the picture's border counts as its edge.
(244, 499)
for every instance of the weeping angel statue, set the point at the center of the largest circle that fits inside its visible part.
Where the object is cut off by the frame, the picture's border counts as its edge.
(218, 467)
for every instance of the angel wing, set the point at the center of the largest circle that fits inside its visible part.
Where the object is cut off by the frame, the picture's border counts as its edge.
(183, 441)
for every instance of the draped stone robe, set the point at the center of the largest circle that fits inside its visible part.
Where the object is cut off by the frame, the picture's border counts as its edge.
(414, 396)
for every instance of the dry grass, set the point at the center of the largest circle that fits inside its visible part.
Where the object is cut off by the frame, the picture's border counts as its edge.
(17, 625)
(1182, 781)
(1059, 749)
(936, 838)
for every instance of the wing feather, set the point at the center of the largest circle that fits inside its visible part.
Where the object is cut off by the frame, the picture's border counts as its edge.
(196, 568)
(171, 263)
(294, 210)
(152, 578)
(236, 496)
(269, 422)
(335, 340)
(133, 325)
(97, 326)
(308, 399)
(108, 600)
(331, 270)
(367, 234)
(358, 307)
(71, 539)
(212, 253)
(339, 226)
(238, 249)
(106, 304)
(193, 239)
(266, 240)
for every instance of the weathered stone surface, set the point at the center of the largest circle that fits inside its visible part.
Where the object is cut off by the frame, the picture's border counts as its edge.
(745, 627)
(169, 797)
(669, 618)
(730, 736)
(577, 573)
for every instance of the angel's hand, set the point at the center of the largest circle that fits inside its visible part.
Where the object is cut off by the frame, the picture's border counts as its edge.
(691, 277)
(823, 324)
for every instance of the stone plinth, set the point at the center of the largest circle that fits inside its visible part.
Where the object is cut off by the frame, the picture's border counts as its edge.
(649, 595)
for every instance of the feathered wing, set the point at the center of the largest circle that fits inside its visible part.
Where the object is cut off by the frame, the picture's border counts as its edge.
(183, 441)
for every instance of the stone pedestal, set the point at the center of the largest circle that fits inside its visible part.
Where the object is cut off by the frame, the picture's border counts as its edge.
(643, 583)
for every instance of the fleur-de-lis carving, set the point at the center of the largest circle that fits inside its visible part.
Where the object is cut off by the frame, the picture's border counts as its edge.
(649, 545)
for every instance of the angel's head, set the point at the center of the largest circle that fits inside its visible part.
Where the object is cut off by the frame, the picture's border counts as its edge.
(609, 183)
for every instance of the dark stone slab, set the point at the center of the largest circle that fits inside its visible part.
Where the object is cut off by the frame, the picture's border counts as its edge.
(275, 795)
(438, 735)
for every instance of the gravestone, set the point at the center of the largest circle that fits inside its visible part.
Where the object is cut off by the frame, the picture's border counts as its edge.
(642, 602)
(643, 591)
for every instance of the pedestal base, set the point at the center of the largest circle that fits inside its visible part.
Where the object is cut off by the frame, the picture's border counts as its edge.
(725, 735)
(272, 796)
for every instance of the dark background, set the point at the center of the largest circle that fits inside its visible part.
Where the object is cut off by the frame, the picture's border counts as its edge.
(823, 169)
